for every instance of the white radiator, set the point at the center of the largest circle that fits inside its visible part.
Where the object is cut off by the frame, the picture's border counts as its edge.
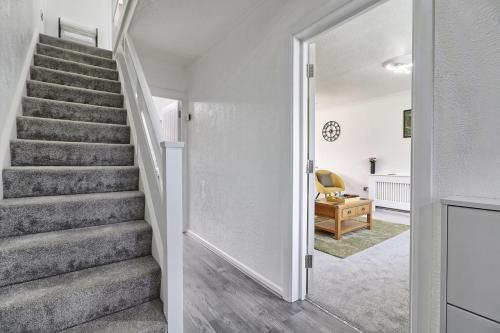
(77, 33)
(390, 191)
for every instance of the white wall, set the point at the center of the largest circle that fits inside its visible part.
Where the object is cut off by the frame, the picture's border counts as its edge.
(240, 135)
(165, 78)
(467, 105)
(239, 149)
(369, 128)
(20, 23)
(91, 13)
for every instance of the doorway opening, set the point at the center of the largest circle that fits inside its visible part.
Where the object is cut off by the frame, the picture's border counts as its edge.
(357, 93)
(169, 115)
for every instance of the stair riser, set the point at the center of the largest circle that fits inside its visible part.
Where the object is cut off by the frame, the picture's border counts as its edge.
(92, 248)
(42, 182)
(28, 153)
(75, 95)
(73, 67)
(76, 307)
(20, 220)
(43, 108)
(42, 129)
(74, 80)
(75, 56)
(57, 42)
(145, 318)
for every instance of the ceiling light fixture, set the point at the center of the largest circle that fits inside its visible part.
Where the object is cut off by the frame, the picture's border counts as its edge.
(399, 65)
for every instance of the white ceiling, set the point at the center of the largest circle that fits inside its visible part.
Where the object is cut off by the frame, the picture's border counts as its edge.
(349, 57)
(183, 30)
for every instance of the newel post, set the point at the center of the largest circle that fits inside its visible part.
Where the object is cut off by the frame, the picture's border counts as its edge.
(172, 283)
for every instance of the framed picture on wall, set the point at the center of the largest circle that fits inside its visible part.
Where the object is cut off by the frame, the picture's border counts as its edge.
(407, 123)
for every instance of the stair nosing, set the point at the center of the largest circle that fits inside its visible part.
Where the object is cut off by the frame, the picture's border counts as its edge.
(54, 288)
(77, 63)
(72, 42)
(73, 103)
(74, 74)
(46, 199)
(75, 143)
(112, 315)
(88, 123)
(80, 53)
(74, 88)
(71, 167)
(54, 233)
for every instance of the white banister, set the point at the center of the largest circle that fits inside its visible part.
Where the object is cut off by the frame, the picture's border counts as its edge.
(161, 169)
(148, 98)
(173, 258)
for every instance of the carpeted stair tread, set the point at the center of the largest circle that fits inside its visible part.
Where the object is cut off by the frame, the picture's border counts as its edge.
(63, 301)
(74, 246)
(57, 153)
(61, 180)
(84, 58)
(74, 80)
(75, 67)
(34, 128)
(36, 256)
(46, 108)
(145, 318)
(23, 216)
(73, 94)
(65, 44)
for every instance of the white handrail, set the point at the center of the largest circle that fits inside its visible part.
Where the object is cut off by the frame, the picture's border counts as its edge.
(161, 165)
(151, 108)
(121, 19)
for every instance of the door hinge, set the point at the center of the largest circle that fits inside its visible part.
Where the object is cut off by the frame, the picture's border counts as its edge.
(310, 166)
(187, 117)
(309, 261)
(310, 70)
(179, 113)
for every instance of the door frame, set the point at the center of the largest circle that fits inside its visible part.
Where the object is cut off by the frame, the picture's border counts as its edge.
(183, 137)
(422, 238)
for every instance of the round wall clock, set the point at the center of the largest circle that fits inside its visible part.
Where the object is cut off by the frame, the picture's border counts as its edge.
(331, 131)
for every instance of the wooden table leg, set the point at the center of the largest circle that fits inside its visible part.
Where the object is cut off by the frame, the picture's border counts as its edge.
(338, 225)
(369, 221)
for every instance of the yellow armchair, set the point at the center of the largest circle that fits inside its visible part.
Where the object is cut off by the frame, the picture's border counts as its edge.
(338, 183)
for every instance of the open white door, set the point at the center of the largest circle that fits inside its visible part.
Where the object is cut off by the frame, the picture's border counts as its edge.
(311, 109)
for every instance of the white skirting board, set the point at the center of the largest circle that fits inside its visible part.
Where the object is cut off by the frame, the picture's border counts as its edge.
(238, 265)
(16, 107)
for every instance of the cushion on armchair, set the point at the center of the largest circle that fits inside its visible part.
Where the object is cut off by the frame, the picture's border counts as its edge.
(325, 179)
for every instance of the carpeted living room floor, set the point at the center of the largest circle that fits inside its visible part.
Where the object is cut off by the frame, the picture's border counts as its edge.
(369, 289)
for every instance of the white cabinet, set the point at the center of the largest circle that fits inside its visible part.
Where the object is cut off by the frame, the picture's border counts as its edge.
(460, 321)
(470, 300)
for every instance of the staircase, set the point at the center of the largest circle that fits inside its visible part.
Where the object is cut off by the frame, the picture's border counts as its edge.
(75, 251)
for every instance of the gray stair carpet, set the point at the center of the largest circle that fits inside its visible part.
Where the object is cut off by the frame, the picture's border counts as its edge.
(46, 108)
(74, 67)
(74, 244)
(74, 80)
(66, 54)
(70, 130)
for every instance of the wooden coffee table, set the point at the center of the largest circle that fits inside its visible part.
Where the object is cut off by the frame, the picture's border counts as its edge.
(343, 214)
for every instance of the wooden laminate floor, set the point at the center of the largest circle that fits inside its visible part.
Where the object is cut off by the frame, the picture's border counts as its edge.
(219, 298)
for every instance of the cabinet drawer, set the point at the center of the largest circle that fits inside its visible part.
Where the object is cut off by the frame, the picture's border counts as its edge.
(460, 321)
(473, 261)
(363, 210)
(324, 210)
(348, 212)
